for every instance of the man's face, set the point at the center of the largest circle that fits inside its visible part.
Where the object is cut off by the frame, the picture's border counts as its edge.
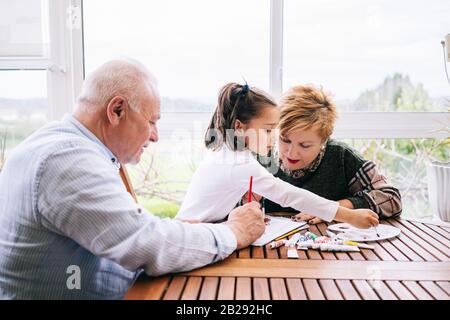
(136, 130)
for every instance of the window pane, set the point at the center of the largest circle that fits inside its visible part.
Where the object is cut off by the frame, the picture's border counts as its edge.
(403, 162)
(23, 105)
(375, 55)
(193, 47)
(23, 28)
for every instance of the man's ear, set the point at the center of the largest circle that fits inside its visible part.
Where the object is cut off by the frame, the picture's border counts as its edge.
(116, 109)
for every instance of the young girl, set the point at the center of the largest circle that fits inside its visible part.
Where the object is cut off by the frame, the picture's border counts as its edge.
(243, 122)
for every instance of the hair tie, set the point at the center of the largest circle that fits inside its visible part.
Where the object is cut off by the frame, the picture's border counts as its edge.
(245, 89)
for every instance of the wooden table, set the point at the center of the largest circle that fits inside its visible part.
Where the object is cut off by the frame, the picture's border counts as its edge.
(416, 265)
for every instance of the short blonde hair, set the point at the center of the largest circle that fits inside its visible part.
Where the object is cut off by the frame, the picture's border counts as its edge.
(304, 107)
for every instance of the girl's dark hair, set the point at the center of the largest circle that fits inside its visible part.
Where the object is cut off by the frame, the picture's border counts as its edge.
(236, 102)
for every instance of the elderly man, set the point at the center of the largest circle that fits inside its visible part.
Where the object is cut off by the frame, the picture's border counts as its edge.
(68, 227)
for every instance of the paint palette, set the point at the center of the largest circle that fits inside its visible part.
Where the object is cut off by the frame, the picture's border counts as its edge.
(348, 232)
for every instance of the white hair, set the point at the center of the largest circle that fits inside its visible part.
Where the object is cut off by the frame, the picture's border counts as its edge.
(125, 77)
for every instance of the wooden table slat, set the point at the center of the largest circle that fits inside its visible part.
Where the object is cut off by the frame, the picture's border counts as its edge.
(278, 289)
(444, 285)
(400, 290)
(393, 251)
(383, 290)
(261, 289)
(428, 252)
(192, 288)
(365, 290)
(271, 253)
(434, 290)
(175, 288)
(421, 242)
(313, 290)
(347, 289)
(330, 289)
(370, 255)
(440, 230)
(417, 290)
(209, 288)
(295, 289)
(410, 254)
(258, 252)
(381, 252)
(425, 237)
(149, 289)
(226, 288)
(327, 269)
(430, 232)
(244, 253)
(243, 288)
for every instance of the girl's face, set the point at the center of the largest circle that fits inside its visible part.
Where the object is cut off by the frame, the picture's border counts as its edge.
(299, 148)
(259, 132)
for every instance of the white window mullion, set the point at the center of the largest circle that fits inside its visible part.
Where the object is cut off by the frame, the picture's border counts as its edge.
(367, 125)
(276, 48)
(65, 73)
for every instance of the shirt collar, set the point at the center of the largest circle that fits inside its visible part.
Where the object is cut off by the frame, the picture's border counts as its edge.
(70, 119)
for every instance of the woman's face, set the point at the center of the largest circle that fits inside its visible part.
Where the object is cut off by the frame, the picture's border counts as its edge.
(299, 148)
(259, 132)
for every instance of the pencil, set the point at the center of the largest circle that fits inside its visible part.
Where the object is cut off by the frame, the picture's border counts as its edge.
(250, 190)
(288, 234)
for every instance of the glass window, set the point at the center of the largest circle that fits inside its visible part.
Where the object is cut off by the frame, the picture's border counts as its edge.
(403, 162)
(375, 55)
(23, 105)
(23, 28)
(193, 47)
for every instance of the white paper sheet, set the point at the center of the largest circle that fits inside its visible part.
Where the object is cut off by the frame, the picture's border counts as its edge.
(276, 227)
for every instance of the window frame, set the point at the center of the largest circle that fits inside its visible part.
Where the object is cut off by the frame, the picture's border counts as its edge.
(64, 64)
(65, 69)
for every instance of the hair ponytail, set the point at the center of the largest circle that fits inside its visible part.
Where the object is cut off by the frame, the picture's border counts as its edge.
(235, 102)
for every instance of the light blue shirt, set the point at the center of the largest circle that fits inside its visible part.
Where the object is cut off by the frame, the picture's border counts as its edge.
(70, 230)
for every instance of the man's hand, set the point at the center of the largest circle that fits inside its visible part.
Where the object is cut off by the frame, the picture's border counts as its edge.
(255, 197)
(247, 223)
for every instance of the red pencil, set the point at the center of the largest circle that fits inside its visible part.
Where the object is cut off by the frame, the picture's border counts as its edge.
(250, 190)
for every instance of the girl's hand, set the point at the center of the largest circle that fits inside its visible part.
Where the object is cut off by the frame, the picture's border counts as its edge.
(255, 197)
(307, 217)
(360, 218)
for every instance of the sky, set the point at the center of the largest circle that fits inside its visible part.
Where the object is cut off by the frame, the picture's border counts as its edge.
(194, 47)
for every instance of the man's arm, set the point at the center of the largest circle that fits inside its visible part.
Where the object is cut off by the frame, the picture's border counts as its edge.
(80, 195)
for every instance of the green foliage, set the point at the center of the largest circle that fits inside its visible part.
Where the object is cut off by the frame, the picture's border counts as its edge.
(159, 207)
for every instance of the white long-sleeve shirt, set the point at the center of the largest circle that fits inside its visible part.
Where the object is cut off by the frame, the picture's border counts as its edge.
(222, 178)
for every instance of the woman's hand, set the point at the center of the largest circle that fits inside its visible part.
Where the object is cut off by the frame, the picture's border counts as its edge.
(307, 217)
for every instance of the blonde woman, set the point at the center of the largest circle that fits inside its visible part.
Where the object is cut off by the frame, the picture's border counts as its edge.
(310, 160)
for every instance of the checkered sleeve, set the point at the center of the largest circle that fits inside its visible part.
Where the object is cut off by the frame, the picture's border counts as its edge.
(373, 187)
